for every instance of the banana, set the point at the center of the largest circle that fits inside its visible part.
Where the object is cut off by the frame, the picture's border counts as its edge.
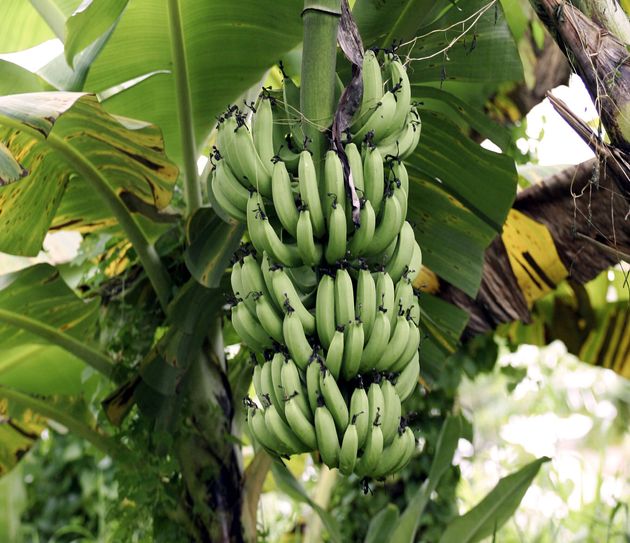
(349, 449)
(379, 121)
(344, 298)
(364, 232)
(408, 379)
(310, 252)
(313, 369)
(365, 306)
(262, 129)
(388, 227)
(372, 79)
(325, 310)
(385, 296)
(399, 171)
(374, 177)
(286, 295)
(334, 400)
(225, 182)
(295, 339)
(304, 278)
(237, 147)
(269, 390)
(236, 281)
(277, 363)
(401, 195)
(401, 259)
(413, 343)
(352, 349)
(265, 268)
(287, 254)
(334, 190)
(309, 193)
(391, 411)
(283, 198)
(404, 295)
(402, 143)
(252, 334)
(269, 318)
(356, 167)
(334, 356)
(283, 432)
(414, 310)
(401, 88)
(376, 404)
(327, 440)
(371, 452)
(377, 342)
(359, 412)
(256, 217)
(225, 206)
(393, 454)
(410, 447)
(260, 432)
(301, 426)
(337, 234)
(257, 380)
(293, 387)
(396, 345)
(252, 280)
(415, 265)
(407, 150)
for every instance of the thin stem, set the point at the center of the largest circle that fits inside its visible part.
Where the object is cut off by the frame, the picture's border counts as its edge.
(90, 356)
(317, 91)
(49, 410)
(192, 188)
(53, 16)
(149, 257)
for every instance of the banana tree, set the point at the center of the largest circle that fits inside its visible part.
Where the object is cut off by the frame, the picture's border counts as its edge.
(105, 140)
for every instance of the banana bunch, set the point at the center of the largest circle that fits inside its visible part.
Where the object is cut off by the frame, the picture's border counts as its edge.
(355, 430)
(329, 302)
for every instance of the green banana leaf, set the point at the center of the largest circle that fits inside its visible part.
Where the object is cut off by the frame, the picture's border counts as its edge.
(229, 46)
(495, 509)
(54, 135)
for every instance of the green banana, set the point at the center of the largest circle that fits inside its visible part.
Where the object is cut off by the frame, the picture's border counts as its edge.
(250, 331)
(401, 259)
(287, 254)
(393, 455)
(401, 88)
(262, 129)
(260, 432)
(359, 412)
(396, 345)
(333, 189)
(265, 268)
(310, 252)
(402, 143)
(293, 387)
(374, 177)
(388, 226)
(327, 440)
(391, 411)
(365, 305)
(313, 369)
(226, 182)
(283, 198)
(286, 295)
(236, 281)
(277, 363)
(385, 296)
(334, 356)
(344, 298)
(372, 79)
(256, 217)
(309, 193)
(237, 147)
(325, 310)
(252, 280)
(377, 342)
(408, 378)
(404, 295)
(269, 389)
(283, 432)
(415, 265)
(410, 447)
(257, 380)
(295, 339)
(379, 121)
(337, 234)
(304, 278)
(334, 400)
(413, 343)
(349, 449)
(268, 317)
(372, 451)
(376, 404)
(226, 209)
(364, 232)
(352, 349)
(299, 423)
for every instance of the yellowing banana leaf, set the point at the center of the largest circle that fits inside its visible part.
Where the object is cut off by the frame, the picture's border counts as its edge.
(18, 434)
(58, 135)
(229, 46)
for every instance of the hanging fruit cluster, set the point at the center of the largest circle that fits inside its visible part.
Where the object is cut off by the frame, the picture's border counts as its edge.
(329, 303)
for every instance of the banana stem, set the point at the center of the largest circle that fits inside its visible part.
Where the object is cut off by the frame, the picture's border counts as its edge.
(192, 188)
(317, 90)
